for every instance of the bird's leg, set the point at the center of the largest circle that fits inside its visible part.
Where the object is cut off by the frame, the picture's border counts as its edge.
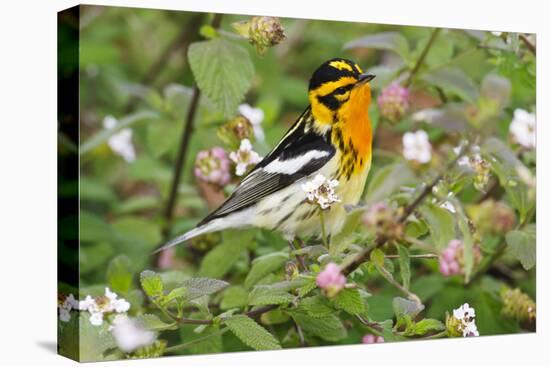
(301, 262)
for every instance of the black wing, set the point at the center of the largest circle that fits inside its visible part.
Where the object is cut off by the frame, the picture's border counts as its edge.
(300, 153)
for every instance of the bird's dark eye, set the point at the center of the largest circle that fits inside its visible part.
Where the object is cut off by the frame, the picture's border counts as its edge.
(340, 90)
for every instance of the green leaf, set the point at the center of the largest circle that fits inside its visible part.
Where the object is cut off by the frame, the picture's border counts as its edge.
(251, 333)
(234, 297)
(523, 245)
(151, 283)
(404, 265)
(403, 307)
(161, 137)
(223, 71)
(154, 323)
(453, 80)
(175, 293)
(205, 341)
(307, 288)
(94, 340)
(103, 135)
(441, 223)
(198, 287)
(467, 239)
(425, 326)
(327, 327)
(263, 266)
(377, 257)
(265, 296)
(119, 274)
(316, 306)
(93, 227)
(221, 258)
(387, 180)
(350, 301)
(392, 41)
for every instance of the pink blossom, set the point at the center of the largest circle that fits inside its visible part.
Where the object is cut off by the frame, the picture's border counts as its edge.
(372, 339)
(393, 102)
(213, 166)
(331, 279)
(448, 261)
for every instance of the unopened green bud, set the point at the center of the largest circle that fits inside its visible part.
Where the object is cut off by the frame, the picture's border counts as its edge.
(262, 32)
(518, 305)
(236, 130)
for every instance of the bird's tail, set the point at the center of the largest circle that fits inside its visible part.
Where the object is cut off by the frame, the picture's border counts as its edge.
(212, 226)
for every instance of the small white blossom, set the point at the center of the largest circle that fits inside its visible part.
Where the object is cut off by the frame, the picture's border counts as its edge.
(321, 191)
(116, 304)
(417, 147)
(96, 318)
(64, 315)
(523, 128)
(255, 116)
(244, 157)
(130, 334)
(120, 142)
(86, 304)
(466, 315)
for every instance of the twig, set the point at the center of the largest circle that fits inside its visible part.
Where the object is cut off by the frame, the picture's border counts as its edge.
(299, 258)
(365, 254)
(422, 57)
(253, 313)
(421, 244)
(419, 256)
(528, 43)
(184, 142)
(387, 275)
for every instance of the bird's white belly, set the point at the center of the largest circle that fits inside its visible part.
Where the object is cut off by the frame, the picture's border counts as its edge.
(287, 211)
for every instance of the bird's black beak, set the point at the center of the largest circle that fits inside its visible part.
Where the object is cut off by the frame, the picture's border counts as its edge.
(364, 78)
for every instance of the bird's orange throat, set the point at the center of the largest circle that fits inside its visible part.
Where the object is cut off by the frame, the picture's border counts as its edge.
(353, 131)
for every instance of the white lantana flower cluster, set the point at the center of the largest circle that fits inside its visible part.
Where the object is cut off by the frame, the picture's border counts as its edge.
(120, 142)
(255, 116)
(321, 191)
(244, 157)
(417, 147)
(523, 128)
(130, 334)
(97, 307)
(466, 315)
(65, 307)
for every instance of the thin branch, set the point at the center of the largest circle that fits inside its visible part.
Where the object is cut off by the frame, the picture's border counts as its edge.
(531, 47)
(365, 254)
(184, 142)
(196, 341)
(253, 313)
(419, 256)
(422, 57)
(299, 258)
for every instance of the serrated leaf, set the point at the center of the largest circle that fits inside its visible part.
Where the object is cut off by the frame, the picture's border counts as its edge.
(262, 296)
(523, 246)
(453, 80)
(264, 265)
(328, 327)
(350, 301)
(467, 239)
(234, 297)
(425, 326)
(175, 293)
(154, 323)
(223, 71)
(316, 306)
(307, 288)
(441, 223)
(198, 287)
(119, 274)
(251, 333)
(392, 41)
(151, 283)
(404, 266)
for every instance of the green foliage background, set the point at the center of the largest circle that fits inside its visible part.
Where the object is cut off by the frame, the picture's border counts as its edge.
(122, 204)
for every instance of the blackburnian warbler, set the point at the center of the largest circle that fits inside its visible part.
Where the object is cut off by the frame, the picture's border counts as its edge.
(332, 138)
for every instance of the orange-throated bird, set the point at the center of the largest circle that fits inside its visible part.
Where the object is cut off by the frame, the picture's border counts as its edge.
(332, 138)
